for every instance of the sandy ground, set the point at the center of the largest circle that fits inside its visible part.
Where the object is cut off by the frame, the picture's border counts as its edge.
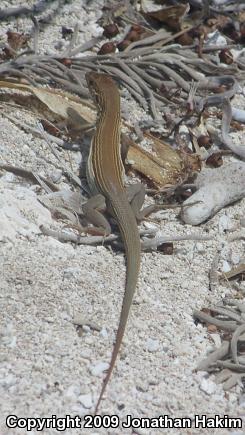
(47, 366)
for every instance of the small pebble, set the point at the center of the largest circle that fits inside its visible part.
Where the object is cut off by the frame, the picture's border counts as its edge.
(104, 333)
(208, 387)
(99, 368)
(224, 223)
(70, 272)
(140, 431)
(235, 258)
(55, 176)
(216, 339)
(78, 410)
(72, 391)
(78, 319)
(86, 400)
(8, 381)
(165, 347)
(242, 400)
(200, 248)
(152, 345)
(226, 267)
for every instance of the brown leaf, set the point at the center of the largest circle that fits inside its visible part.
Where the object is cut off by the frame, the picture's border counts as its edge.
(145, 163)
(226, 56)
(179, 163)
(107, 47)
(17, 40)
(110, 30)
(238, 270)
(204, 141)
(218, 22)
(215, 160)
(7, 53)
(166, 248)
(50, 128)
(241, 17)
(212, 328)
(58, 102)
(172, 16)
(66, 32)
(168, 167)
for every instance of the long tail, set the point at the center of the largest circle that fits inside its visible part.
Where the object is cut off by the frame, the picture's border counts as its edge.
(130, 235)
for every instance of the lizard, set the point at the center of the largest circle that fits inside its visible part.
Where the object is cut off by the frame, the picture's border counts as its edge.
(105, 173)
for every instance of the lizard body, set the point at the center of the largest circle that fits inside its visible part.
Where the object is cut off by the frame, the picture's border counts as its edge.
(105, 176)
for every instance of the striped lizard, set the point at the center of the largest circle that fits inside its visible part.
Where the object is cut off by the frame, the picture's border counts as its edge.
(105, 173)
(105, 176)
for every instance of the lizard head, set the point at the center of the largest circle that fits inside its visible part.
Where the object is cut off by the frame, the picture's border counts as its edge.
(100, 86)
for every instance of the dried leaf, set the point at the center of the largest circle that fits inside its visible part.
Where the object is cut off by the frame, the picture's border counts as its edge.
(58, 102)
(143, 162)
(63, 204)
(238, 270)
(215, 160)
(30, 175)
(168, 167)
(212, 328)
(17, 40)
(172, 15)
(50, 128)
(66, 32)
(7, 53)
(177, 163)
(110, 30)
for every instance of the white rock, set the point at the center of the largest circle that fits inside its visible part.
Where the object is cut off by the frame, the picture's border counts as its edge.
(20, 213)
(8, 381)
(208, 387)
(215, 37)
(99, 368)
(242, 400)
(225, 251)
(216, 339)
(200, 248)
(85, 353)
(8, 176)
(224, 223)
(78, 410)
(55, 175)
(70, 272)
(140, 431)
(226, 267)
(86, 400)
(232, 398)
(7, 335)
(211, 196)
(235, 258)
(104, 333)
(152, 345)
(72, 391)
(165, 347)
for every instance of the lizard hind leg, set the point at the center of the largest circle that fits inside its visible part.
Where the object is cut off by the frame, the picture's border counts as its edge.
(92, 210)
(136, 196)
